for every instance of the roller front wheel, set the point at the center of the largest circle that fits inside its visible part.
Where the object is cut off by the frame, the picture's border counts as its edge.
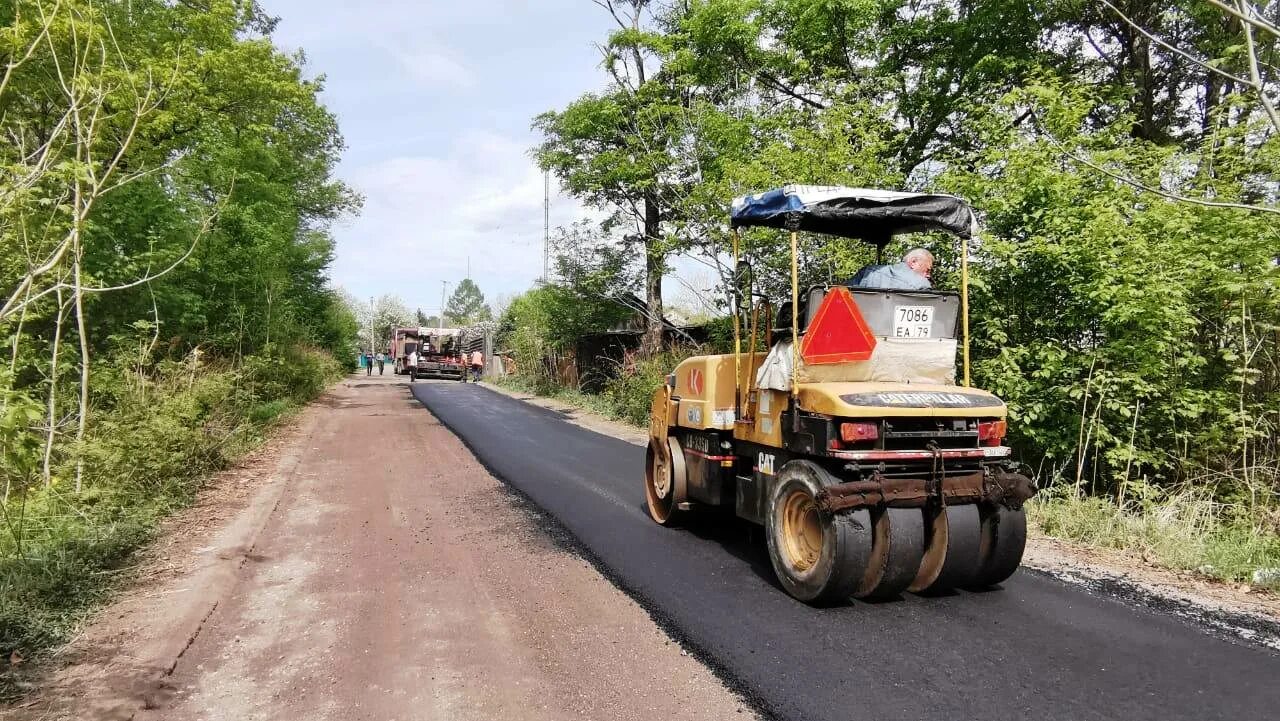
(663, 481)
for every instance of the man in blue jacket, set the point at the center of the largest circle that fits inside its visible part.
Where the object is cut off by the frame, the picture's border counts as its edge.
(911, 274)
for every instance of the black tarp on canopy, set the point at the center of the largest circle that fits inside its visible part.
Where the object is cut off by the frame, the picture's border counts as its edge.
(871, 215)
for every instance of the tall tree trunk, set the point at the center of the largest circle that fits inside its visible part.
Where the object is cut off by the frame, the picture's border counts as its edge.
(47, 466)
(654, 266)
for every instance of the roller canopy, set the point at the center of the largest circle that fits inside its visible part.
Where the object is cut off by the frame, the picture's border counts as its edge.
(871, 215)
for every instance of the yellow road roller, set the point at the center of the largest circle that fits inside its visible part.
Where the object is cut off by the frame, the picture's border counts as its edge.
(838, 424)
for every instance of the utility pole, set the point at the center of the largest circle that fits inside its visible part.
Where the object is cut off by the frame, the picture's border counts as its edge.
(444, 286)
(546, 226)
(373, 320)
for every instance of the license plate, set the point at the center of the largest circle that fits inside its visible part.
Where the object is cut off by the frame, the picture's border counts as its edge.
(912, 321)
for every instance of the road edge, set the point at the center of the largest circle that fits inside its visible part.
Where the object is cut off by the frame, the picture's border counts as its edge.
(234, 544)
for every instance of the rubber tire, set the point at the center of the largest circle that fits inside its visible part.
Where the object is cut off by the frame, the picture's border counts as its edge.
(664, 512)
(936, 534)
(963, 561)
(1004, 538)
(846, 546)
(899, 547)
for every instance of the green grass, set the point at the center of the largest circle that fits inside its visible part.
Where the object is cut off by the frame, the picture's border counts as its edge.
(626, 397)
(269, 411)
(1186, 530)
(594, 403)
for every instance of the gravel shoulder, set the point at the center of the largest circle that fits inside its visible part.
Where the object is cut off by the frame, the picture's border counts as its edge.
(364, 565)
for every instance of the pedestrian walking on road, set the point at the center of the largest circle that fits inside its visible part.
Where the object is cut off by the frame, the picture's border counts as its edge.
(413, 365)
(477, 364)
(382, 358)
(368, 363)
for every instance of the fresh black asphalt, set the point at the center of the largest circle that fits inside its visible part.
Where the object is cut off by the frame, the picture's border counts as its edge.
(1037, 648)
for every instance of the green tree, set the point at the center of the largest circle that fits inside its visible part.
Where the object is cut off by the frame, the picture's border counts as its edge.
(168, 166)
(1123, 289)
(620, 149)
(166, 194)
(378, 317)
(466, 305)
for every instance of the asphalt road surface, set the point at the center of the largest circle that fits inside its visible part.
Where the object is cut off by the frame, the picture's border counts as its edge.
(1038, 648)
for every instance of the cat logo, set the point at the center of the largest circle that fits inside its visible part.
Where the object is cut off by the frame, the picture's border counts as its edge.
(764, 463)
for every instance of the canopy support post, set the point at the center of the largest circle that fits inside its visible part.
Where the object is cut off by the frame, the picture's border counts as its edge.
(795, 326)
(737, 330)
(751, 355)
(964, 302)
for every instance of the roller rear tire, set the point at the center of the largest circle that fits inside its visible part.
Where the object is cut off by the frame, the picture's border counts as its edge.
(960, 558)
(818, 558)
(1004, 538)
(896, 554)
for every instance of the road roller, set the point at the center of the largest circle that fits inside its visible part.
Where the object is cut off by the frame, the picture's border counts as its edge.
(838, 423)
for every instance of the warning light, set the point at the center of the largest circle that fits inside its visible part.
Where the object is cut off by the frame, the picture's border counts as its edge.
(990, 433)
(854, 432)
(838, 333)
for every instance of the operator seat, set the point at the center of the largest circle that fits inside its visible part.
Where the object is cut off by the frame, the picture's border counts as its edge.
(810, 301)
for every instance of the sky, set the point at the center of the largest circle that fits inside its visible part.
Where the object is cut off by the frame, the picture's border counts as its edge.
(435, 99)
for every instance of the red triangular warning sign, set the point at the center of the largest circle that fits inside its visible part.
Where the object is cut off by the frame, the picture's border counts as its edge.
(838, 333)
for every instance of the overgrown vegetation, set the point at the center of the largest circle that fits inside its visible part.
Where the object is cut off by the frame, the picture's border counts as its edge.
(1122, 156)
(1188, 529)
(154, 439)
(626, 395)
(165, 195)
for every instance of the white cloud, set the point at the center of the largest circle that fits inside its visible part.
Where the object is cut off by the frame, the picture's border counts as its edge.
(435, 69)
(435, 99)
(425, 216)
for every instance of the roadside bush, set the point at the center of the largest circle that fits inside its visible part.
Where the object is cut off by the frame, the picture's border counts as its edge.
(627, 393)
(156, 431)
(169, 428)
(295, 373)
(630, 393)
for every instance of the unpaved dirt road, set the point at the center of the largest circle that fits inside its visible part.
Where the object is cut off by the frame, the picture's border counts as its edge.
(1038, 648)
(396, 579)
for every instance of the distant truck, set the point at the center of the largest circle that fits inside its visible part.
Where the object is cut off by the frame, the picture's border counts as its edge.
(438, 353)
(403, 342)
